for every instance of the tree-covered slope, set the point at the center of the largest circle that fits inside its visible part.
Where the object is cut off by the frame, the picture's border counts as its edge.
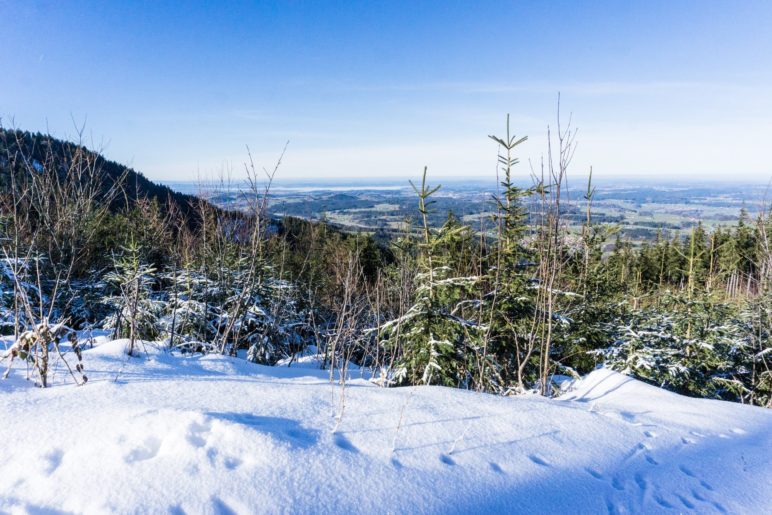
(22, 151)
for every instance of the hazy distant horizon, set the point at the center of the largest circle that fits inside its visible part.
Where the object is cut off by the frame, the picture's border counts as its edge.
(403, 182)
(383, 89)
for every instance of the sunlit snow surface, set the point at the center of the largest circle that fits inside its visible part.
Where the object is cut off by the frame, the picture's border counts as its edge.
(167, 433)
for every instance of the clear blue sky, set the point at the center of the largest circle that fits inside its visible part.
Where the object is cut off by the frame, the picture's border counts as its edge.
(367, 89)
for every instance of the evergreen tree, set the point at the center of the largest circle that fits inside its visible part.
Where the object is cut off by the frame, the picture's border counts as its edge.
(438, 344)
(136, 314)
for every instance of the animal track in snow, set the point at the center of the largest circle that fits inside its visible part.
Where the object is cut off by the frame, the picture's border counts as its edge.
(637, 449)
(221, 508)
(718, 506)
(197, 433)
(594, 473)
(628, 415)
(662, 502)
(447, 460)
(698, 495)
(53, 460)
(686, 502)
(623, 416)
(643, 486)
(539, 461)
(280, 429)
(614, 509)
(641, 482)
(148, 450)
(232, 462)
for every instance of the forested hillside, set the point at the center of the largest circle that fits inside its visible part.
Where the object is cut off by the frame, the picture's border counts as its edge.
(89, 245)
(114, 185)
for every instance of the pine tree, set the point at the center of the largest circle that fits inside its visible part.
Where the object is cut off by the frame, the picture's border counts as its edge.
(437, 344)
(512, 302)
(136, 314)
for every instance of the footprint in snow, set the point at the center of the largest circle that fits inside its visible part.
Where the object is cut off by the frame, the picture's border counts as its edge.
(197, 434)
(637, 449)
(496, 468)
(539, 461)
(594, 473)
(718, 506)
(283, 429)
(686, 471)
(662, 502)
(53, 460)
(649, 434)
(650, 459)
(610, 507)
(624, 416)
(447, 460)
(641, 482)
(231, 462)
(614, 509)
(642, 487)
(148, 450)
(221, 508)
(688, 504)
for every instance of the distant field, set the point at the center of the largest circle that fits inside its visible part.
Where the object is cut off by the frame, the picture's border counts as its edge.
(640, 211)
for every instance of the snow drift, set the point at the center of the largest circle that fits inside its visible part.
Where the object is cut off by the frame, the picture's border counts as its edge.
(212, 434)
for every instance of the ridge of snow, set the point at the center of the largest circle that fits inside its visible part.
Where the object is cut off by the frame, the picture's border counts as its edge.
(215, 434)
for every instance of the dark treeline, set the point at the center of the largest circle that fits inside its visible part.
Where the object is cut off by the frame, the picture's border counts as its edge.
(517, 305)
(21, 150)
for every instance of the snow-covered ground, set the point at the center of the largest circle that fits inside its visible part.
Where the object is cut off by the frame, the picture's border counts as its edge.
(212, 434)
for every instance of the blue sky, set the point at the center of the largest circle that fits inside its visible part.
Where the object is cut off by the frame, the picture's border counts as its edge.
(673, 89)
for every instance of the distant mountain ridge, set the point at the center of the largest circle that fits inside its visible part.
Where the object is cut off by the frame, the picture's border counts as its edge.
(22, 149)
